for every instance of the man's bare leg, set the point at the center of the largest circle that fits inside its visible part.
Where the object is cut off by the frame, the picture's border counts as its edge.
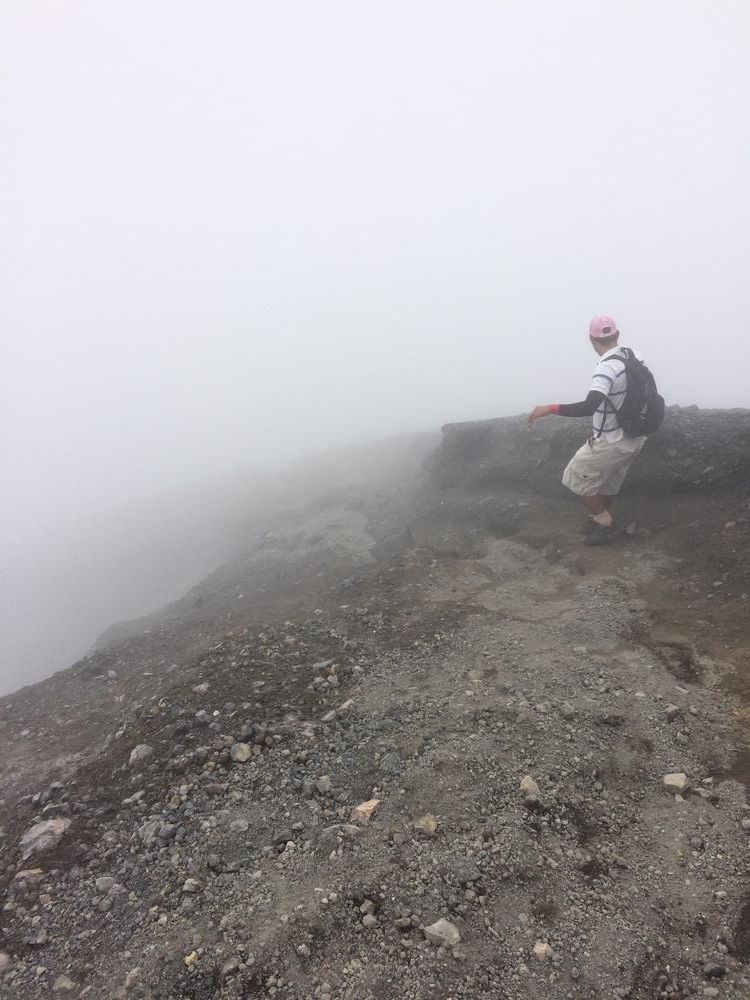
(598, 507)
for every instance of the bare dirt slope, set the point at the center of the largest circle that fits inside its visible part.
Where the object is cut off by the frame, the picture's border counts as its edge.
(433, 648)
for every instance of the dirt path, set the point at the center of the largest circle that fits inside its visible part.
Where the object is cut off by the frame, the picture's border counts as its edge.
(432, 656)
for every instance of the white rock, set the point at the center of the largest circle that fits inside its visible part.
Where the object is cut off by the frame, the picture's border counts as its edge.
(676, 782)
(542, 951)
(63, 984)
(201, 688)
(442, 932)
(43, 836)
(241, 752)
(32, 875)
(148, 831)
(426, 825)
(529, 787)
(104, 884)
(363, 812)
(324, 784)
(140, 753)
(4, 962)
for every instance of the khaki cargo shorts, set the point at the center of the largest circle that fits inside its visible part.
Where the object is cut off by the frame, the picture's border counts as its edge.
(601, 466)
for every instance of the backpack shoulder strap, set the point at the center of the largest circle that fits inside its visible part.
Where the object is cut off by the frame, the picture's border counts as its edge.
(627, 356)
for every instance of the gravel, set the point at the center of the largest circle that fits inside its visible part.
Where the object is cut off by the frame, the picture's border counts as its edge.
(512, 717)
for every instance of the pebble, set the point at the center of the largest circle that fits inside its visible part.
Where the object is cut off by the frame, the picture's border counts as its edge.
(31, 875)
(363, 812)
(140, 753)
(241, 752)
(191, 885)
(542, 951)
(426, 825)
(43, 836)
(105, 883)
(713, 970)
(442, 933)
(232, 965)
(324, 784)
(4, 962)
(677, 782)
(369, 921)
(529, 787)
(567, 711)
(671, 712)
(63, 984)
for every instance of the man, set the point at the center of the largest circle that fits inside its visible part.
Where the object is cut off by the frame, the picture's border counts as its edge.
(597, 470)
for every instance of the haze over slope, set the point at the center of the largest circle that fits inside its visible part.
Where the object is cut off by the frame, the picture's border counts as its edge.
(233, 235)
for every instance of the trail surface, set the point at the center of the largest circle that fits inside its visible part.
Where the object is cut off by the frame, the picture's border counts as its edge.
(510, 697)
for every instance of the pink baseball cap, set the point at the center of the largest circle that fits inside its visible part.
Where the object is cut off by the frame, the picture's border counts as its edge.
(601, 327)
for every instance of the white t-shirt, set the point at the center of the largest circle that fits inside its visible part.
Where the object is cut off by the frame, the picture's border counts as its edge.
(609, 378)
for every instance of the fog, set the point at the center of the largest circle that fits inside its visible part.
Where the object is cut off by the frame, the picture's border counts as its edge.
(233, 234)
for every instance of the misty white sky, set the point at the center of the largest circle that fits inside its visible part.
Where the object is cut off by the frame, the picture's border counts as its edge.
(233, 232)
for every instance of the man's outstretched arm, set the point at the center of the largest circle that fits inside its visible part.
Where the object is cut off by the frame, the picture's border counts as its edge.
(586, 408)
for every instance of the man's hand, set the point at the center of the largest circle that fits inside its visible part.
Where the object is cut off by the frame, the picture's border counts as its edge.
(539, 411)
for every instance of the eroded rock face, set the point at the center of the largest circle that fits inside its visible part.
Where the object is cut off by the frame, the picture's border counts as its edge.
(694, 450)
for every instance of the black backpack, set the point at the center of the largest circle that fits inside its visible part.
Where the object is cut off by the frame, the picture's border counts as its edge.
(642, 409)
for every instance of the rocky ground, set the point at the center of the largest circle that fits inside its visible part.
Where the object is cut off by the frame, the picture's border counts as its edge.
(422, 743)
